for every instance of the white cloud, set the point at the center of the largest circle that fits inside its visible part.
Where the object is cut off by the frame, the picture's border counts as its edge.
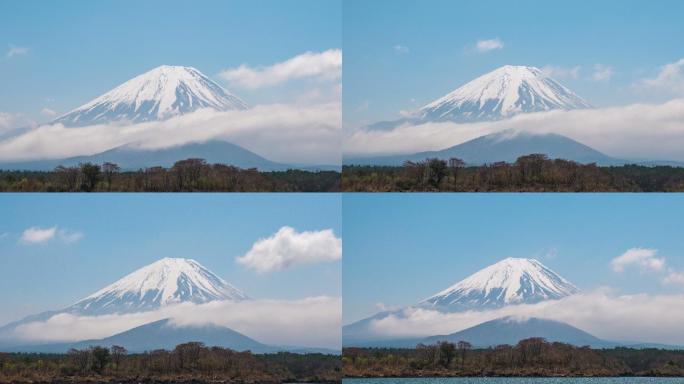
(669, 80)
(37, 235)
(401, 49)
(307, 322)
(562, 72)
(674, 277)
(325, 65)
(602, 73)
(12, 121)
(382, 307)
(47, 112)
(15, 51)
(70, 237)
(636, 318)
(285, 133)
(644, 258)
(408, 112)
(638, 131)
(488, 45)
(287, 247)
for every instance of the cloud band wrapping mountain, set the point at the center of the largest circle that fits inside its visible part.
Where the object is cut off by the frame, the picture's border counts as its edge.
(511, 288)
(172, 106)
(188, 295)
(519, 99)
(287, 133)
(637, 131)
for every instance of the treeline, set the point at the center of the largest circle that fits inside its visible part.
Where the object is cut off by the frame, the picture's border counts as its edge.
(530, 357)
(184, 176)
(187, 362)
(531, 173)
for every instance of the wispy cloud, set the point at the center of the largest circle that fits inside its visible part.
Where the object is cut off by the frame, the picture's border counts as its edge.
(12, 121)
(602, 73)
(483, 46)
(401, 49)
(644, 258)
(287, 248)
(325, 65)
(38, 235)
(674, 277)
(646, 261)
(307, 322)
(670, 79)
(48, 112)
(15, 51)
(562, 72)
(70, 237)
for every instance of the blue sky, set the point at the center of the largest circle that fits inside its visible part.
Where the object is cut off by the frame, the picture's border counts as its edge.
(123, 232)
(59, 55)
(402, 248)
(399, 55)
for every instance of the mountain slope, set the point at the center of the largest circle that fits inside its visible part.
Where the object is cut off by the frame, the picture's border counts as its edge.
(502, 146)
(164, 282)
(162, 334)
(508, 330)
(158, 94)
(131, 159)
(502, 93)
(510, 281)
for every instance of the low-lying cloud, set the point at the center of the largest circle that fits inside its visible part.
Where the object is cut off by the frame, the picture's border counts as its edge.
(287, 248)
(285, 133)
(633, 132)
(325, 65)
(308, 322)
(633, 318)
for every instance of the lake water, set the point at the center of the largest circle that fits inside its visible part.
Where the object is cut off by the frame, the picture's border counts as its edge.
(520, 380)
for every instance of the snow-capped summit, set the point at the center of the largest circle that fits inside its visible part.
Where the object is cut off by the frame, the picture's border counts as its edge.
(510, 281)
(164, 282)
(158, 94)
(502, 93)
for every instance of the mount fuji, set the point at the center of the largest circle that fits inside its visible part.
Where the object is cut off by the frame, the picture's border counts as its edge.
(158, 95)
(164, 283)
(510, 281)
(502, 93)
(498, 95)
(161, 93)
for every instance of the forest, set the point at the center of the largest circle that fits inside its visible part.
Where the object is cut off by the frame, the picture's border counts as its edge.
(530, 173)
(190, 175)
(530, 357)
(188, 362)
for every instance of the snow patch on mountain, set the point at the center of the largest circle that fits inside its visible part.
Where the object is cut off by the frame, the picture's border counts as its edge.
(158, 94)
(164, 282)
(502, 93)
(510, 281)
